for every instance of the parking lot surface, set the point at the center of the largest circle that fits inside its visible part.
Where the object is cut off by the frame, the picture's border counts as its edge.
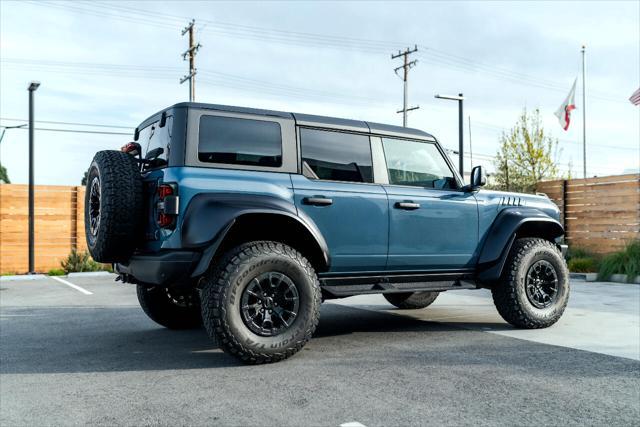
(93, 357)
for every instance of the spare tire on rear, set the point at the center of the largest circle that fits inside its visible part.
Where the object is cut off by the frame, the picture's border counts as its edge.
(113, 206)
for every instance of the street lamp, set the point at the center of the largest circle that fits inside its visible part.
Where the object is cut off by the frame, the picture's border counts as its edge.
(460, 99)
(33, 86)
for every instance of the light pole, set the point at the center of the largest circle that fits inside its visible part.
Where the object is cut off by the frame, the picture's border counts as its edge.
(460, 99)
(33, 86)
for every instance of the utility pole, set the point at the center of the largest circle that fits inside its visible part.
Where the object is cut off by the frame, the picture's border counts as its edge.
(407, 65)
(191, 54)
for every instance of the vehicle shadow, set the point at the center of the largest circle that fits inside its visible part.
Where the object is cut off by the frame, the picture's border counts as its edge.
(65, 339)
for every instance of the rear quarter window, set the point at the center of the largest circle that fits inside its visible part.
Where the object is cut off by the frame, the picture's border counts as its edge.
(236, 141)
(156, 143)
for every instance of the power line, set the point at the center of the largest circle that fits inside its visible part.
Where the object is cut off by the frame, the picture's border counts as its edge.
(76, 131)
(435, 56)
(67, 123)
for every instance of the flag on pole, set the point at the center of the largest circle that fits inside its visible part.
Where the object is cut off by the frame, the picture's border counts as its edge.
(635, 98)
(564, 111)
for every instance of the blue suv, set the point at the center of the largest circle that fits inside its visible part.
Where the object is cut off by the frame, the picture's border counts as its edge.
(245, 220)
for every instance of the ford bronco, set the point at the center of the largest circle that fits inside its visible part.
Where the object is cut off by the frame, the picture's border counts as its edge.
(245, 220)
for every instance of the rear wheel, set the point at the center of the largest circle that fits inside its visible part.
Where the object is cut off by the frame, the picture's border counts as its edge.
(411, 300)
(173, 308)
(261, 303)
(534, 289)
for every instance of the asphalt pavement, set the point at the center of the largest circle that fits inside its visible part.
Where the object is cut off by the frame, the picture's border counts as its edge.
(80, 351)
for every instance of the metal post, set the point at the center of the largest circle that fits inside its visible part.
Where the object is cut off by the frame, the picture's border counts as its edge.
(460, 99)
(32, 88)
(584, 118)
(461, 135)
(470, 146)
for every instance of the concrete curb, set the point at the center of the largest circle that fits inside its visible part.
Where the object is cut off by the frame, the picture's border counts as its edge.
(90, 274)
(22, 277)
(593, 277)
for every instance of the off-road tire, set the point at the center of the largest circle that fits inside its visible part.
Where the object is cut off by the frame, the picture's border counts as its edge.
(509, 294)
(172, 308)
(411, 300)
(222, 292)
(120, 206)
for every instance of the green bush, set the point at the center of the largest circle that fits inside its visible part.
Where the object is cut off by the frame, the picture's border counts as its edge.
(583, 265)
(56, 272)
(80, 261)
(576, 252)
(627, 261)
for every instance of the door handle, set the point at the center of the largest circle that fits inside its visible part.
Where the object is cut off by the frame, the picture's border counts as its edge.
(409, 206)
(317, 201)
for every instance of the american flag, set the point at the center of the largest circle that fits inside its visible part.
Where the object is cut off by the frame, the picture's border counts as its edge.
(635, 98)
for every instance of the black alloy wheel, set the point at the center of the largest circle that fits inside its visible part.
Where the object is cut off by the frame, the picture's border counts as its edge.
(541, 284)
(270, 304)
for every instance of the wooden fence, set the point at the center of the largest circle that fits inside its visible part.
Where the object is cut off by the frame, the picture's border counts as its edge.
(599, 214)
(59, 226)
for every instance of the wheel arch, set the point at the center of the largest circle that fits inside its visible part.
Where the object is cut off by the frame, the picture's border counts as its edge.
(215, 223)
(509, 225)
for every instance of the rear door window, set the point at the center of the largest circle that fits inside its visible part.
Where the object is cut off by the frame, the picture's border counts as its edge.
(238, 141)
(336, 156)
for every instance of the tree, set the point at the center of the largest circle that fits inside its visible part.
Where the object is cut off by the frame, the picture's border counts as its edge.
(84, 178)
(4, 176)
(526, 155)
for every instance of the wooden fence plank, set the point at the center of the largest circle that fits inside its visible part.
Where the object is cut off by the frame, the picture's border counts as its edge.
(600, 214)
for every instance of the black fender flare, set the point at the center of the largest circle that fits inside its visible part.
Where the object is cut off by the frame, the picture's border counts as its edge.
(503, 232)
(209, 217)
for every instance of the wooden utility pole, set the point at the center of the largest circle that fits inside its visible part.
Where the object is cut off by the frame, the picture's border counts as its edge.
(191, 54)
(407, 65)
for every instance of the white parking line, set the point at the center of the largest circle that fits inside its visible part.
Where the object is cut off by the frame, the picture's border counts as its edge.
(71, 285)
(352, 424)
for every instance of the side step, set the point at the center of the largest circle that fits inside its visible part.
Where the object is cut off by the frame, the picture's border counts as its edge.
(339, 287)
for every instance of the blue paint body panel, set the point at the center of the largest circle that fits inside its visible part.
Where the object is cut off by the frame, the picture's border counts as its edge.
(355, 225)
(363, 229)
(442, 233)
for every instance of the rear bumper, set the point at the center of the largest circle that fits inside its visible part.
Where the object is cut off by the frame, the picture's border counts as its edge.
(164, 268)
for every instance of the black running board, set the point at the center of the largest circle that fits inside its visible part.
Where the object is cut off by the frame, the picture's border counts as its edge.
(345, 286)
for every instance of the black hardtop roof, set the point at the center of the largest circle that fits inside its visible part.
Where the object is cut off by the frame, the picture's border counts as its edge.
(305, 119)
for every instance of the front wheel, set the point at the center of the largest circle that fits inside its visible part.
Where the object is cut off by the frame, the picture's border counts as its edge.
(261, 303)
(534, 289)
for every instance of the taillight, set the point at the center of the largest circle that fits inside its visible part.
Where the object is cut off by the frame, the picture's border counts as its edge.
(167, 205)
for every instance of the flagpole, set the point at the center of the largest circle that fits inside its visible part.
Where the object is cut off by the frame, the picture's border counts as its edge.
(584, 119)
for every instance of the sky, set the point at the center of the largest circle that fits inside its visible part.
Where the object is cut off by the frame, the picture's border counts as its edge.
(115, 63)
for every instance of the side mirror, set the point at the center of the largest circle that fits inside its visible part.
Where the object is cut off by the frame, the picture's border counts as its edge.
(478, 178)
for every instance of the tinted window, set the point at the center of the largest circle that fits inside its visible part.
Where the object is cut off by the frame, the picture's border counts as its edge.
(336, 156)
(155, 142)
(417, 163)
(239, 141)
